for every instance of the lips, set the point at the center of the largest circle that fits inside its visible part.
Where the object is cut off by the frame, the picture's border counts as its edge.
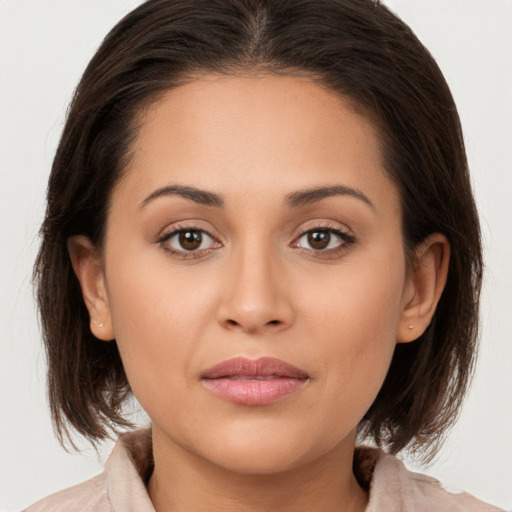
(254, 381)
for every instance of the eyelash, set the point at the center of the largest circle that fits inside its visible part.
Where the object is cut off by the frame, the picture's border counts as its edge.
(346, 240)
(163, 241)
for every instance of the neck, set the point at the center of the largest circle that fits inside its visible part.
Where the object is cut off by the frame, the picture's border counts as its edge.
(183, 482)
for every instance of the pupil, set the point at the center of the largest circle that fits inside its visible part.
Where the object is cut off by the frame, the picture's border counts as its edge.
(319, 239)
(190, 240)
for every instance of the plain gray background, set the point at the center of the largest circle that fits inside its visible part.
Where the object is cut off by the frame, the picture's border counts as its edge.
(44, 47)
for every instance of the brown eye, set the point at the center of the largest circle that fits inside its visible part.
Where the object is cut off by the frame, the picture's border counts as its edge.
(319, 239)
(323, 240)
(190, 240)
(193, 241)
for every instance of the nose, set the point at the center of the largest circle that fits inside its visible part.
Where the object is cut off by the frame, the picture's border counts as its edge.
(257, 296)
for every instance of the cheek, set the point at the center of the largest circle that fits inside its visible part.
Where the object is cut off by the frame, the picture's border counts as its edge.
(352, 323)
(158, 314)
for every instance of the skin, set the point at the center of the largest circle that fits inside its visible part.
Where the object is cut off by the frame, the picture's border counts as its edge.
(257, 287)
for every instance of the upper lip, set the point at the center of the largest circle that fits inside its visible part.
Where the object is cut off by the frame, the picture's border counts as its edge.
(261, 367)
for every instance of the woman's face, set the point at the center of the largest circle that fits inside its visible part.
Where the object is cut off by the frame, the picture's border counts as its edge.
(255, 220)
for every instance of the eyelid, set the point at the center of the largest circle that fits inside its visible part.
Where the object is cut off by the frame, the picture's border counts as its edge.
(325, 225)
(186, 225)
(347, 238)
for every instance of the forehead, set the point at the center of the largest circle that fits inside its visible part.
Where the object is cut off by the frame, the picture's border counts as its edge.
(255, 132)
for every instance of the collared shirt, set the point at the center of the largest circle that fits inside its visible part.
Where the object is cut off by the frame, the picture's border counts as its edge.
(122, 485)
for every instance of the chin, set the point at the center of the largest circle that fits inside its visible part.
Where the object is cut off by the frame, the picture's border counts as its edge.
(262, 459)
(266, 449)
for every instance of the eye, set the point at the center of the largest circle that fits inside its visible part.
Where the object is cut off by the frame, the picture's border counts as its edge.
(188, 241)
(323, 239)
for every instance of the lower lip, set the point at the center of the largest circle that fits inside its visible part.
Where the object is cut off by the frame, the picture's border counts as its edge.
(252, 391)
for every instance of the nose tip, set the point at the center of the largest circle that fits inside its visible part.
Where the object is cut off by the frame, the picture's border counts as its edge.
(256, 300)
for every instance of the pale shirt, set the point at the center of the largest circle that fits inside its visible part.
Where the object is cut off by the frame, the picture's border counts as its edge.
(122, 485)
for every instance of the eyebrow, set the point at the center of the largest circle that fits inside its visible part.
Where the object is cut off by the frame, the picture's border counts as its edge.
(192, 193)
(293, 200)
(304, 197)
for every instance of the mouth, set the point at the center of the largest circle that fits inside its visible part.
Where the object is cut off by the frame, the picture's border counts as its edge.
(254, 381)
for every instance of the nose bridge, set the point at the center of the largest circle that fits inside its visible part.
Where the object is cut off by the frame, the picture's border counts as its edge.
(256, 297)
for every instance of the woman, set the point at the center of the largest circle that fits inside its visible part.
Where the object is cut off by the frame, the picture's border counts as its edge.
(260, 223)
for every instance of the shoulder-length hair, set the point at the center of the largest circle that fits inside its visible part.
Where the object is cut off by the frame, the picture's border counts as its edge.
(357, 48)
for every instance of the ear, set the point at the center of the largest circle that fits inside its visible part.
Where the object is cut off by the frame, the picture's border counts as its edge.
(89, 271)
(425, 284)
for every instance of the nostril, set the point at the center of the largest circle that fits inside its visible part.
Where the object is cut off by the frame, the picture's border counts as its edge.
(233, 323)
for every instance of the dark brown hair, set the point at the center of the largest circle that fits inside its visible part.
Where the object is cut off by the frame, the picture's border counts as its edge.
(357, 48)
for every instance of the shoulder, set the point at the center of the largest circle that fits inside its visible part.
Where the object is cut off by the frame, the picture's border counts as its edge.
(89, 496)
(120, 488)
(396, 489)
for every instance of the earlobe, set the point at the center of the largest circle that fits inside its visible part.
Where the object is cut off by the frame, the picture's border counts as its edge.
(88, 269)
(424, 287)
